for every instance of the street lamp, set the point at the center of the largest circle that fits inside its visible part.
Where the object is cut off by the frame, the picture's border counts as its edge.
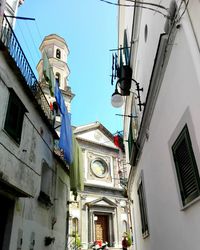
(124, 83)
(117, 99)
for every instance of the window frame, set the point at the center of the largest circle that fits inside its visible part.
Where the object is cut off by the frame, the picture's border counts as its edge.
(57, 78)
(184, 135)
(45, 195)
(58, 53)
(14, 130)
(143, 207)
(104, 164)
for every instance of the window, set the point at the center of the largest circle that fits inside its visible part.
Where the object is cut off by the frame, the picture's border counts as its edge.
(143, 210)
(46, 185)
(130, 139)
(58, 54)
(99, 168)
(57, 78)
(14, 117)
(75, 226)
(124, 226)
(126, 48)
(145, 33)
(186, 167)
(56, 108)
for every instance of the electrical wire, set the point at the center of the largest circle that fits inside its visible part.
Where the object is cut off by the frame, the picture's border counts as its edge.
(37, 27)
(32, 39)
(137, 6)
(147, 3)
(186, 6)
(172, 26)
(26, 45)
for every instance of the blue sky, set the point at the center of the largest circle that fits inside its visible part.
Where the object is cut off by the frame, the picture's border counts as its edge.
(90, 30)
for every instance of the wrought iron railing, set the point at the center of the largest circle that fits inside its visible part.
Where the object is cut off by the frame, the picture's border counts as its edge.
(9, 39)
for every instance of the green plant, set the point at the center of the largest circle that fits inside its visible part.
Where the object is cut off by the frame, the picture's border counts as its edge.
(77, 241)
(129, 239)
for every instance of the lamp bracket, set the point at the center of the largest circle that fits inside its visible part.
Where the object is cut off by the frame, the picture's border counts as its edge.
(138, 89)
(127, 47)
(131, 116)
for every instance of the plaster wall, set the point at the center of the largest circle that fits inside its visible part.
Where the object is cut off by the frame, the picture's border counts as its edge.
(193, 10)
(20, 166)
(177, 104)
(33, 146)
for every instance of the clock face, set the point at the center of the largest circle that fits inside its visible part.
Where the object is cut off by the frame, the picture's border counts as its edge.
(99, 168)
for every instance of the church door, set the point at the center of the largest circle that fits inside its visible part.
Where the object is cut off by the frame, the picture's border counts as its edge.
(101, 228)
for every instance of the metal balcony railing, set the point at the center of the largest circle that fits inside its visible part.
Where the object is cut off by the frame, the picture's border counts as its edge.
(9, 39)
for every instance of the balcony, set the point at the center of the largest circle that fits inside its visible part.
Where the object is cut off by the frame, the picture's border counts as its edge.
(9, 40)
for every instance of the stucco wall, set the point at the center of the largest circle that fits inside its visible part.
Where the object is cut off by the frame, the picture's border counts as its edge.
(21, 166)
(170, 226)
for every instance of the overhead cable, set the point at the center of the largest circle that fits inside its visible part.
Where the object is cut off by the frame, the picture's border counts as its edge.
(137, 6)
(147, 3)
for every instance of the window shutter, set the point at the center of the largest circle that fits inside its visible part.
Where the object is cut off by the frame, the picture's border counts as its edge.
(186, 167)
(126, 48)
(130, 138)
(143, 211)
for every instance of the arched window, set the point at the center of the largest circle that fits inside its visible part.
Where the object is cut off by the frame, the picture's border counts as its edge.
(57, 78)
(124, 226)
(58, 54)
(75, 225)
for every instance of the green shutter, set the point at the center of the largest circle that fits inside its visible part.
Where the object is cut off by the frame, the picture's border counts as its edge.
(130, 139)
(126, 49)
(186, 167)
(143, 211)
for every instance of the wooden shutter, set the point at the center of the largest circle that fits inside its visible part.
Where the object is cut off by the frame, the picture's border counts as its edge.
(143, 211)
(126, 49)
(130, 138)
(186, 167)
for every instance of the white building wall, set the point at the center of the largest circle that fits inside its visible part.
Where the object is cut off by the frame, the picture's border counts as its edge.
(170, 225)
(167, 222)
(193, 10)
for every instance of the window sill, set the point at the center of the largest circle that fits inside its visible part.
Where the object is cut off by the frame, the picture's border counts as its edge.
(145, 235)
(183, 208)
(11, 138)
(45, 199)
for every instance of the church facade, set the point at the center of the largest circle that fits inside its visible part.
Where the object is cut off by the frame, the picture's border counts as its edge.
(100, 213)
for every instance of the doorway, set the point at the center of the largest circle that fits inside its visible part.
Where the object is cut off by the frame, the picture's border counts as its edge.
(101, 228)
(6, 217)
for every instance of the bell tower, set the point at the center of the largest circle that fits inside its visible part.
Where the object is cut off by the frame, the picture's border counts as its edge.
(56, 50)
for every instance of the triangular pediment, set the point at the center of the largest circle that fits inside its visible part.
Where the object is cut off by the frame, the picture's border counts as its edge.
(95, 133)
(105, 202)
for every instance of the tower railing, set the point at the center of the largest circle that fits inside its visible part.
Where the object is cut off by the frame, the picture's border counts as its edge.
(9, 39)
